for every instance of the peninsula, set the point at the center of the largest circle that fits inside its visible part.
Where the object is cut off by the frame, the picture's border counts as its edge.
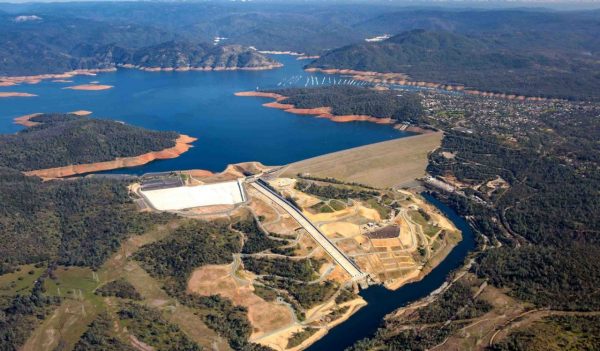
(101, 144)
(348, 104)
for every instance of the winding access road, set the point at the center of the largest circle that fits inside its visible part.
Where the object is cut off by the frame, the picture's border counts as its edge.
(338, 256)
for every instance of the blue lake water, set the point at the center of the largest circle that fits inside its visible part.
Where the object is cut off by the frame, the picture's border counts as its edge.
(235, 129)
(229, 129)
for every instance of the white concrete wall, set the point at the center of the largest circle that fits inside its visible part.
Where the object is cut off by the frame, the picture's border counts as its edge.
(226, 193)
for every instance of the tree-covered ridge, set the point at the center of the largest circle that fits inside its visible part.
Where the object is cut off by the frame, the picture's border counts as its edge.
(99, 337)
(175, 55)
(347, 100)
(59, 43)
(256, 240)
(504, 65)
(149, 326)
(548, 206)
(63, 139)
(194, 244)
(79, 222)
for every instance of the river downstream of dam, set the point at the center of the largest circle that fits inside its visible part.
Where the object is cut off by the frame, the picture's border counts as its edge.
(233, 129)
(381, 301)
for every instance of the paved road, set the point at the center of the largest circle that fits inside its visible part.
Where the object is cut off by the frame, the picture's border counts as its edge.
(347, 264)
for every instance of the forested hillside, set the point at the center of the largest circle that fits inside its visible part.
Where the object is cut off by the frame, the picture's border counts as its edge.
(77, 222)
(504, 66)
(314, 28)
(526, 176)
(57, 44)
(319, 26)
(65, 139)
(346, 100)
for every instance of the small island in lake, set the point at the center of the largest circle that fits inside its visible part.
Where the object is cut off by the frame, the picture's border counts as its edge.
(90, 87)
(15, 94)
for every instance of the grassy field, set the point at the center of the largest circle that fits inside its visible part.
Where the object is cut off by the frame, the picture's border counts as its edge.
(81, 305)
(382, 165)
(21, 281)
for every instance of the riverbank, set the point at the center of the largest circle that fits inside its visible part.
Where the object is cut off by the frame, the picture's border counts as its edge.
(403, 79)
(325, 112)
(381, 301)
(182, 144)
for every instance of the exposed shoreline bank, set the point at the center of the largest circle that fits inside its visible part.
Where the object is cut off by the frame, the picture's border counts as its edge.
(7, 81)
(182, 145)
(89, 87)
(200, 69)
(325, 112)
(10, 94)
(403, 79)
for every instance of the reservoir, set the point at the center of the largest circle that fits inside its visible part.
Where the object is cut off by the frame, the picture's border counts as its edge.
(382, 301)
(234, 129)
(229, 129)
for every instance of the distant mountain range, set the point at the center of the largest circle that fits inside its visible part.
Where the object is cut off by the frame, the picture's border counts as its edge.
(505, 66)
(536, 52)
(31, 45)
(173, 55)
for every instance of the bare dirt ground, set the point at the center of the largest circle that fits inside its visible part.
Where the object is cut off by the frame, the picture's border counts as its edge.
(345, 229)
(384, 164)
(216, 280)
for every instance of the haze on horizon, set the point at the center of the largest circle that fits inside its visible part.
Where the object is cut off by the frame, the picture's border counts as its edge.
(555, 4)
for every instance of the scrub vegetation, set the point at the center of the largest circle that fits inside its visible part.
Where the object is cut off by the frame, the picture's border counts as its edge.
(119, 288)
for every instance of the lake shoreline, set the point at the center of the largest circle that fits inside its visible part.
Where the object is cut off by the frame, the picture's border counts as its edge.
(403, 79)
(325, 112)
(200, 69)
(7, 81)
(182, 145)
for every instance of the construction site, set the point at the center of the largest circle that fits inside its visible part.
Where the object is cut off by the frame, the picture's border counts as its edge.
(349, 234)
